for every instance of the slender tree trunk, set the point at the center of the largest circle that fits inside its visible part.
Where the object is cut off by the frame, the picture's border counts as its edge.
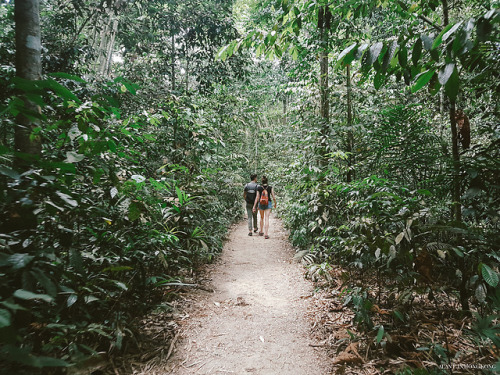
(456, 196)
(111, 44)
(285, 109)
(103, 44)
(28, 66)
(324, 18)
(172, 64)
(350, 136)
(457, 204)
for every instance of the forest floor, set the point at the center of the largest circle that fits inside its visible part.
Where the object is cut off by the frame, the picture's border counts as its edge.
(256, 320)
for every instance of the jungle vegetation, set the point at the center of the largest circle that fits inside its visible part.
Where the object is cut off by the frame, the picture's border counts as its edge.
(128, 128)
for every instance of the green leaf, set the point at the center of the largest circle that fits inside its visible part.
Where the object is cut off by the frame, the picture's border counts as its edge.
(399, 315)
(380, 334)
(391, 50)
(134, 211)
(374, 52)
(67, 76)
(27, 295)
(403, 56)
(73, 157)
(131, 87)
(60, 90)
(421, 80)
(120, 285)
(4, 318)
(19, 261)
(439, 38)
(416, 52)
(346, 51)
(451, 31)
(489, 275)
(483, 29)
(75, 260)
(445, 74)
(452, 86)
(71, 300)
(67, 199)
(379, 80)
(44, 281)
(9, 172)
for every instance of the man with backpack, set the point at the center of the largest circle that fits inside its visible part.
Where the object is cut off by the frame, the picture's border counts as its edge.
(249, 194)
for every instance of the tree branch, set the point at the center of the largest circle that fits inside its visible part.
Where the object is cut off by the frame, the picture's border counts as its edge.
(427, 20)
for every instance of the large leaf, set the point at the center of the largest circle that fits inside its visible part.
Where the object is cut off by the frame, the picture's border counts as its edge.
(422, 79)
(489, 275)
(45, 281)
(27, 295)
(61, 91)
(374, 52)
(134, 210)
(19, 261)
(439, 39)
(379, 80)
(452, 86)
(76, 260)
(403, 56)
(67, 76)
(389, 55)
(346, 51)
(445, 74)
(4, 318)
(9, 172)
(416, 52)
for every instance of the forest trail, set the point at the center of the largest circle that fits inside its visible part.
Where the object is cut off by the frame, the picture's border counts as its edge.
(255, 321)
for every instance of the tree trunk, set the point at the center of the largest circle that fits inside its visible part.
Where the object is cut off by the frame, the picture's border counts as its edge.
(456, 207)
(103, 44)
(350, 137)
(111, 44)
(28, 66)
(324, 18)
(172, 66)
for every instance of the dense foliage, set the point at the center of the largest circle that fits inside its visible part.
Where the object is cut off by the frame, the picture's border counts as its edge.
(396, 186)
(376, 121)
(137, 182)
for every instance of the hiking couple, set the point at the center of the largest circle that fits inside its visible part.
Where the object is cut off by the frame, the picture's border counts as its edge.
(259, 194)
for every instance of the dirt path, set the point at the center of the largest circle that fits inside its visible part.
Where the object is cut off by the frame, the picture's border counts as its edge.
(255, 321)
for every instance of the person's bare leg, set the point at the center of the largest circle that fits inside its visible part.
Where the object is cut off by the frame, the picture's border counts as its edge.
(261, 220)
(267, 213)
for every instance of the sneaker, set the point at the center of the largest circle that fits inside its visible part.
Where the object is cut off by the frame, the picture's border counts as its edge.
(266, 237)
(261, 234)
(255, 230)
(249, 233)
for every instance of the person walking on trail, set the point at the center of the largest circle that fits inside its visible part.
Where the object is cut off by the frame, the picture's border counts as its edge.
(264, 194)
(250, 194)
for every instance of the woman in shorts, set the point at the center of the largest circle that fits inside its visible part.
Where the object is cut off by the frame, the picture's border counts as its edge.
(265, 210)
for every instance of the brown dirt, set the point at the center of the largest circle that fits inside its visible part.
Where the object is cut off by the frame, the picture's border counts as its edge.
(255, 322)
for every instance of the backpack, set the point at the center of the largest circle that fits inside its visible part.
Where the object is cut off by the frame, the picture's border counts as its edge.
(251, 190)
(264, 198)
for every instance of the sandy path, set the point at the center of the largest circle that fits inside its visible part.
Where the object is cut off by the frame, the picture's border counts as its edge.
(255, 321)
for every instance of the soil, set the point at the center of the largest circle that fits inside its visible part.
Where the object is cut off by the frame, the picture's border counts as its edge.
(256, 319)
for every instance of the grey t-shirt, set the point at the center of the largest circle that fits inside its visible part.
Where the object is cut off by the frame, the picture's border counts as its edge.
(251, 190)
